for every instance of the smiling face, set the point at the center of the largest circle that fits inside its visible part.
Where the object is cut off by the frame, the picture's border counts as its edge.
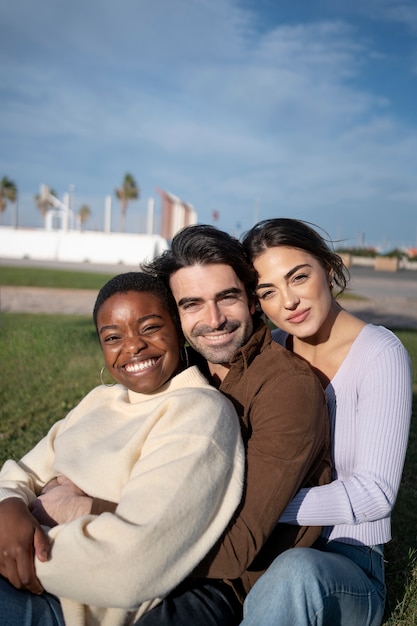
(216, 317)
(139, 340)
(293, 290)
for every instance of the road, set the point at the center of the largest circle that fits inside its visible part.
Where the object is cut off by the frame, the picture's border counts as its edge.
(371, 284)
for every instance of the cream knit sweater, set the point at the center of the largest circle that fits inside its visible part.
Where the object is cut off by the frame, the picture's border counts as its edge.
(174, 463)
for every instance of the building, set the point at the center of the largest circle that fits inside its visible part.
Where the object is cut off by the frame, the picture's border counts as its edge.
(175, 214)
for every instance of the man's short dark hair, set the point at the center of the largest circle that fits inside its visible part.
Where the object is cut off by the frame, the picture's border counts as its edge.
(203, 244)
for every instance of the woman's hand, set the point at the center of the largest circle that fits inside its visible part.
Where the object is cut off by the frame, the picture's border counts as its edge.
(60, 501)
(21, 537)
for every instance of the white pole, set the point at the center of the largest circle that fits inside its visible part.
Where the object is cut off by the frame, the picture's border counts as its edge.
(48, 219)
(65, 212)
(15, 220)
(149, 221)
(107, 214)
(71, 205)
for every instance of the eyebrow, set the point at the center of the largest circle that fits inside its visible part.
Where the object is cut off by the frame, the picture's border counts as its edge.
(218, 296)
(287, 275)
(139, 321)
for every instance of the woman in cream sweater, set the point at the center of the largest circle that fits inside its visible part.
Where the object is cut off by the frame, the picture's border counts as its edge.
(161, 444)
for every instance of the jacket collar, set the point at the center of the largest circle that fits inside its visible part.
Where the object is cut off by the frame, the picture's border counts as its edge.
(260, 338)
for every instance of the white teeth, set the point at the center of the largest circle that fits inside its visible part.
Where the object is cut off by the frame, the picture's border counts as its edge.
(216, 337)
(131, 368)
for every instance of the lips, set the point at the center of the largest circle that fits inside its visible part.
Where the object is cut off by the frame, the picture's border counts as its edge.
(299, 317)
(140, 366)
(216, 335)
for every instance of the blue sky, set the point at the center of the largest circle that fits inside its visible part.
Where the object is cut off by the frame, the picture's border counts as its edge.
(251, 108)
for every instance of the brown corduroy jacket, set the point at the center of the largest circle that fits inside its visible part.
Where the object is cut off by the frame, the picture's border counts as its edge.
(282, 408)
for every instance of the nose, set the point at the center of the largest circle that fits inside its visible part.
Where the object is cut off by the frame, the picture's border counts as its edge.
(215, 316)
(290, 299)
(134, 344)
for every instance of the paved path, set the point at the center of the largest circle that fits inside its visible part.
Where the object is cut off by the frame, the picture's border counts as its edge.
(47, 300)
(388, 311)
(394, 312)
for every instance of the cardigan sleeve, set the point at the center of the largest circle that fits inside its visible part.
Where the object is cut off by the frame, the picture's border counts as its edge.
(287, 445)
(373, 413)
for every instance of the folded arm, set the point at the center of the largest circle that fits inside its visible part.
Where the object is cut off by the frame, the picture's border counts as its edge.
(61, 501)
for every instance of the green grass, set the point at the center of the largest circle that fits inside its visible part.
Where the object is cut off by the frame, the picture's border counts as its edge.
(401, 552)
(64, 279)
(49, 362)
(69, 279)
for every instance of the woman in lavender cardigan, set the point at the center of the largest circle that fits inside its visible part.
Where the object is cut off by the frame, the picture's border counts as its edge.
(366, 374)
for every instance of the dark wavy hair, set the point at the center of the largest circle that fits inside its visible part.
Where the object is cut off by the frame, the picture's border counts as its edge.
(283, 231)
(203, 244)
(142, 283)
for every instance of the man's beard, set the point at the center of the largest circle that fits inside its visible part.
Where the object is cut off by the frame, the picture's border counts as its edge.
(222, 353)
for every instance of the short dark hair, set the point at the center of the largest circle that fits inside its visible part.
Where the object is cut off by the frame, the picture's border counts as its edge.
(283, 231)
(140, 282)
(203, 244)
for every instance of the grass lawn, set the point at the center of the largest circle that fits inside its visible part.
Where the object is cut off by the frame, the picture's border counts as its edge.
(49, 362)
(401, 552)
(64, 279)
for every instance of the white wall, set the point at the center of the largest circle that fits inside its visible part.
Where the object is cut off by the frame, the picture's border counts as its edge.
(79, 247)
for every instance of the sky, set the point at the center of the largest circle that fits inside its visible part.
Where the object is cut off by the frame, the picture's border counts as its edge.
(245, 109)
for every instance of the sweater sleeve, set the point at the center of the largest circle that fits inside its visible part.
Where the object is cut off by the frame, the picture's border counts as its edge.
(372, 426)
(289, 435)
(182, 491)
(26, 478)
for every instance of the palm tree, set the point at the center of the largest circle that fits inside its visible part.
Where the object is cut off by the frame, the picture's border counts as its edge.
(8, 193)
(84, 213)
(43, 202)
(128, 191)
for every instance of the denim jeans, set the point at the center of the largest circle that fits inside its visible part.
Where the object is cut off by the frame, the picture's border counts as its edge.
(202, 602)
(332, 584)
(23, 608)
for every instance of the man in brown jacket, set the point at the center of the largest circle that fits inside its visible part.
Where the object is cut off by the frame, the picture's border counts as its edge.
(283, 416)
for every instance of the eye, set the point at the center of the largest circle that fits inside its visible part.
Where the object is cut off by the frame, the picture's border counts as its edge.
(299, 278)
(151, 328)
(190, 306)
(110, 339)
(264, 295)
(230, 298)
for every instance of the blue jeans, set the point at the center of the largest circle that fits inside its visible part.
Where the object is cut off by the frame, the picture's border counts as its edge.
(23, 608)
(202, 602)
(332, 584)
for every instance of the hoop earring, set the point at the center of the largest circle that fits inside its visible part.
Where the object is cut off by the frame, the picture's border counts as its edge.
(185, 359)
(101, 378)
